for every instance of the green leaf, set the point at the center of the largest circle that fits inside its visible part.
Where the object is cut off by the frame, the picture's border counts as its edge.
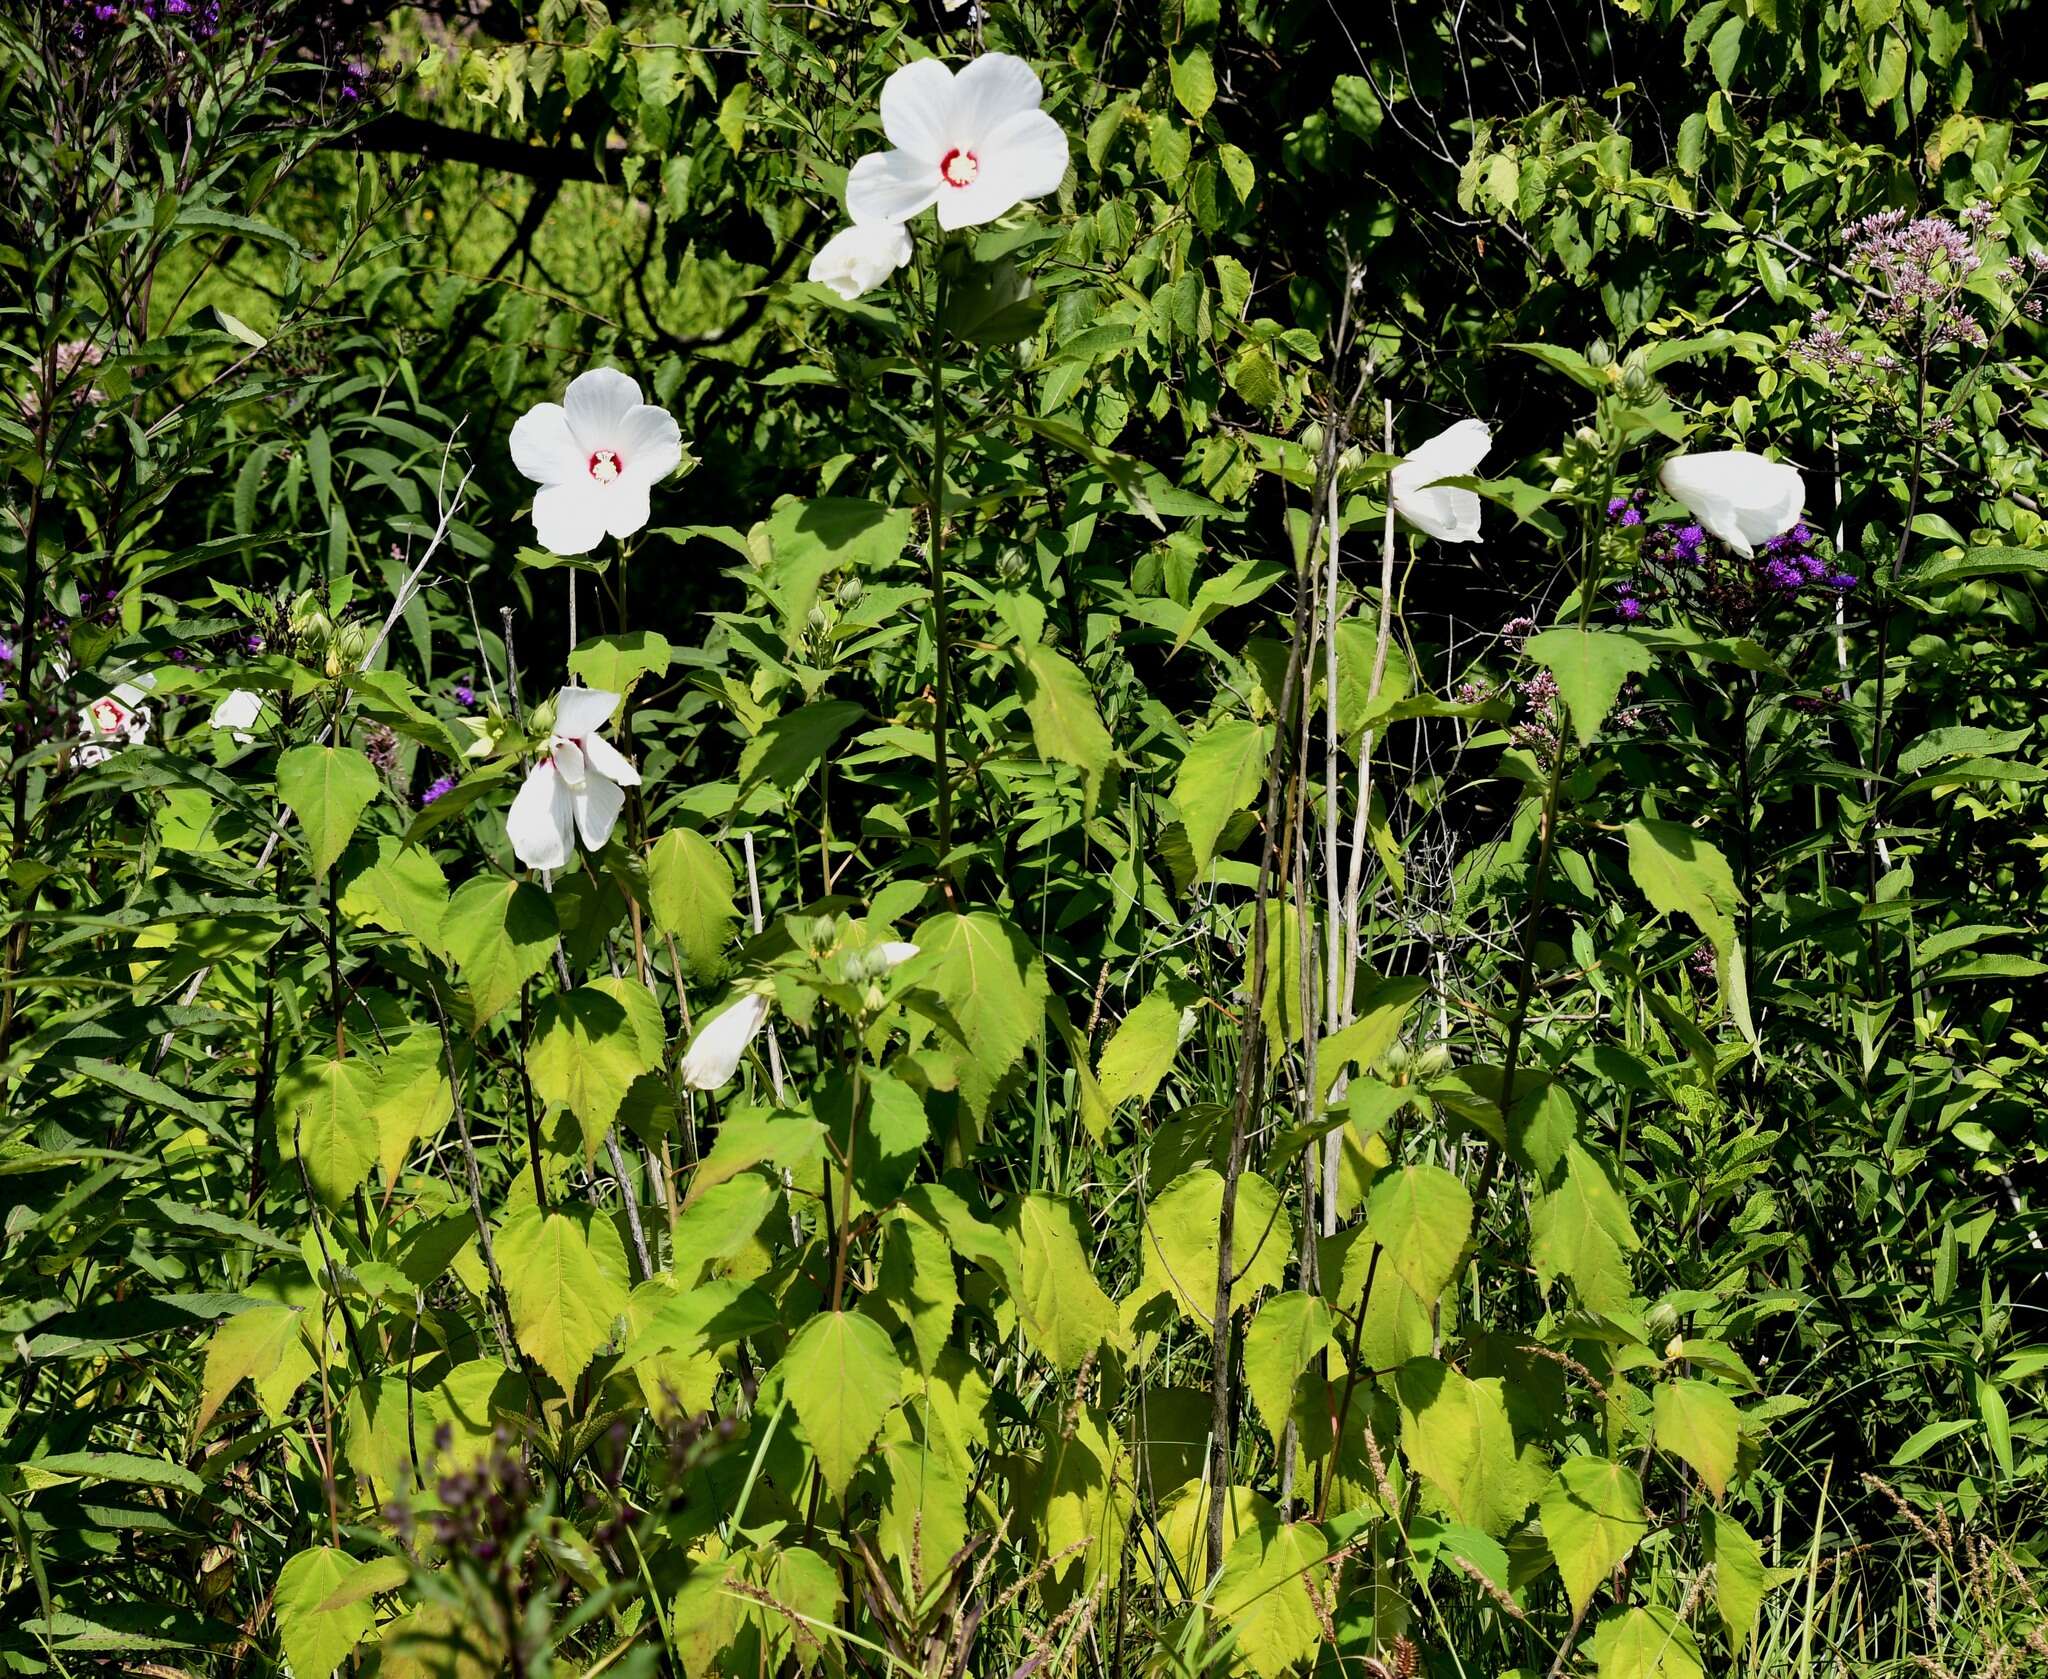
(991, 303)
(323, 1119)
(690, 894)
(992, 983)
(566, 1281)
(1141, 1051)
(1181, 1242)
(732, 117)
(327, 788)
(1976, 562)
(248, 1346)
(1455, 1432)
(1739, 1578)
(1581, 1230)
(1067, 728)
(1724, 49)
(1997, 1423)
(785, 752)
(395, 886)
(1194, 80)
(843, 1377)
(1592, 1517)
(588, 1047)
(1062, 1308)
(501, 933)
(1570, 363)
(1682, 873)
(1357, 106)
(1255, 375)
(1273, 1578)
(612, 662)
(810, 540)
(1222, 772)
(916, 1284)
(316, 1639)
(1699, 1423)
(1383, 1008)
(1646, 1643)
(412, 1099)
(1422, 1217)
(1284, 1343)
(1591, 667)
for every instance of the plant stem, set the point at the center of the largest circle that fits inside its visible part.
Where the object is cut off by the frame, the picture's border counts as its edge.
(1251, 1067)
(942, 684)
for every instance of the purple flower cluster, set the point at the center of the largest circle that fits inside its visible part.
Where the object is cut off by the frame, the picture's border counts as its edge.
(1921, 263)
(462, 694)
(1790, 565)
(439, 789)
(1679, 558)
(202, 17)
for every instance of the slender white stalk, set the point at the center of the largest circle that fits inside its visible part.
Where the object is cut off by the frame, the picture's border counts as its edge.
(754, 892)
(1333, 746)
(408, 587)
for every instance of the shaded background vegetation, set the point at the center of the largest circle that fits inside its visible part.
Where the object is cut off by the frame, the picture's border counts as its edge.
(1285, 224)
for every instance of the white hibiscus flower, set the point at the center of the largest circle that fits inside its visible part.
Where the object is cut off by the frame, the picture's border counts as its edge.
(575, 789)
(239, 713)
(714, 1053)
(859, 258)
(1449, 515)
(595, 455)
(1739, 497)
(114, 720)
(975, 144)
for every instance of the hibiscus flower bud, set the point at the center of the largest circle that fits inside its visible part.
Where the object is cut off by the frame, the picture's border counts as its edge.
(859, 258)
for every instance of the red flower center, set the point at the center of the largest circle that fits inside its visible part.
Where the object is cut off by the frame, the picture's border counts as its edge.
(959, 168)
(605, 465)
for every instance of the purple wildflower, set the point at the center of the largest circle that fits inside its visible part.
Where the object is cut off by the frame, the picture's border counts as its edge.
(464, 694)
(440, 789)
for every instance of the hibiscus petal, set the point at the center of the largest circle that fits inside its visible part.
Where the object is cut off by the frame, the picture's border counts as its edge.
(598, 803)
(650, 444)
(541, 822)
(1448, 515)
(1455, 453)
(1741, 498)
(918, 103)
(626, 505)
(569, 518)
(890, 187)
(583, 711)
(1026, 158)
(714, 1053)
(1032, 151)
(567, 757)
(597, 404)
(543, 448)
(238, 710)
(987, 93)
(608, 761)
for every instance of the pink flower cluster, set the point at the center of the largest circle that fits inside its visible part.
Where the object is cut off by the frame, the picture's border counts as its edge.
(1921, 264)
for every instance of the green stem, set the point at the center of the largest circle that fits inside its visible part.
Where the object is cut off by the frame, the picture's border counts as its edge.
(941, 638)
